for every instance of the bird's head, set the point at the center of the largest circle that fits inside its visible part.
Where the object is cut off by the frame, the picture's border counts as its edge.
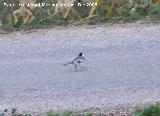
(81, 54)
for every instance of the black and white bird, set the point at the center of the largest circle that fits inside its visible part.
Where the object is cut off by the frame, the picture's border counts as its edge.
(77, 61)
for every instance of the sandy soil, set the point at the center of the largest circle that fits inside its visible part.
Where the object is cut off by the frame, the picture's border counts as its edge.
(122, 67)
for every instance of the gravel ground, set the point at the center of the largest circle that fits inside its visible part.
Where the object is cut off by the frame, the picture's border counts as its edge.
(122, 67)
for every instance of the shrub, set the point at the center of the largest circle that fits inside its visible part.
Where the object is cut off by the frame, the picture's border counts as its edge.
(153, 110)
(107, 10)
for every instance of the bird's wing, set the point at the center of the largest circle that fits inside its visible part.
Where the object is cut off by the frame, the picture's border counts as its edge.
(79, 58)
(67, 63)
(82, 58)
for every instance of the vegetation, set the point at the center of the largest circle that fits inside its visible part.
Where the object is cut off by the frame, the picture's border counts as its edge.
(153, 110)
(107, 10)
(67, 113)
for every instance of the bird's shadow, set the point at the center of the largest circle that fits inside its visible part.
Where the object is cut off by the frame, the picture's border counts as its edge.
(78, 69)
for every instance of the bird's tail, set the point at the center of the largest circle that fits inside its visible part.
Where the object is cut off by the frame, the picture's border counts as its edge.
(67, 63)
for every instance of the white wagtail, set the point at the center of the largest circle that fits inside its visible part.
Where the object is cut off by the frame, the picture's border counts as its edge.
(77, 61)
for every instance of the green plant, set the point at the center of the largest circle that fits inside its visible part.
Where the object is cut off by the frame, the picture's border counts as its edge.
(153, 110)
(52, 114)
(107, 11)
